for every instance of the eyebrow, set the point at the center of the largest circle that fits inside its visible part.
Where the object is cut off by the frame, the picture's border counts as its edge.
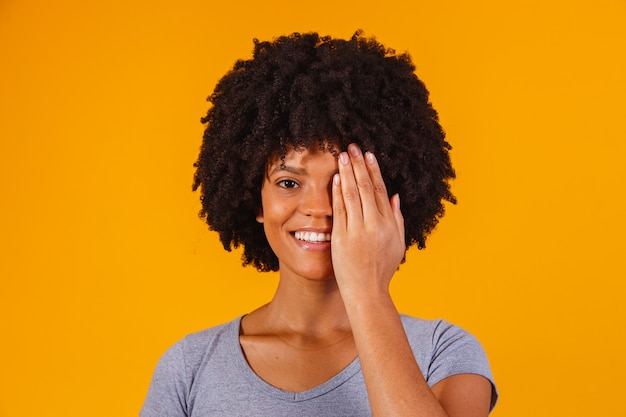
(287, 168)
(292, 170)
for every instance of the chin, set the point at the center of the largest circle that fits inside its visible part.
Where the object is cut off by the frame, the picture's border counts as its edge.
(313, 273)
(318, 274)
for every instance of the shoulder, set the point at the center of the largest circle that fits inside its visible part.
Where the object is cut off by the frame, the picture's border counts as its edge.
(191, 350)
(200, 341)
(174, 375)
(436, 333)
(443, 349)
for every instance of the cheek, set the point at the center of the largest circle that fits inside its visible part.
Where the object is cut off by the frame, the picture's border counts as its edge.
(275, 219)
(276, 207)
(275, 212)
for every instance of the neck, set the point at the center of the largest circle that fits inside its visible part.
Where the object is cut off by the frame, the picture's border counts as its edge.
(307, 307)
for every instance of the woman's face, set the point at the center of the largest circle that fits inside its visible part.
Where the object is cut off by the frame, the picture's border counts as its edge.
(297, 212)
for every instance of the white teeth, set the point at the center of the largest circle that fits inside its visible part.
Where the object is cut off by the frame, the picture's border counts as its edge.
(313, 237)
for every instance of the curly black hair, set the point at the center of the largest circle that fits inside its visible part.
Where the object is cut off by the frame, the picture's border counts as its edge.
(305, 90)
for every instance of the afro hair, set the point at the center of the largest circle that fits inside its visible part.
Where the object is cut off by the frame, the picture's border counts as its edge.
(305, 90)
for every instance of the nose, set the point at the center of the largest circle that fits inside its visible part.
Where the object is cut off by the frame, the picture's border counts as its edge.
(317, 202)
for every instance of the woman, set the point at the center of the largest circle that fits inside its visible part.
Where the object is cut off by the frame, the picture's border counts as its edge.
(310, 149)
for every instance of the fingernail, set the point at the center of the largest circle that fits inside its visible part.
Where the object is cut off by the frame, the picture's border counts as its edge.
(395, 200)
(336, 179)
(369, 157)
(343, 158)
(354, 149)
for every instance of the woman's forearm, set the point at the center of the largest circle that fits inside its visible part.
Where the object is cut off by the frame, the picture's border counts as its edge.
(394, 381)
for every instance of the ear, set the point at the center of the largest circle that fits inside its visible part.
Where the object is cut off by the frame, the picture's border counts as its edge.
(259, 216)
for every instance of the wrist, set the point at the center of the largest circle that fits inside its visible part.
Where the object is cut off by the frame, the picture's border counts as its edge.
(368, 303)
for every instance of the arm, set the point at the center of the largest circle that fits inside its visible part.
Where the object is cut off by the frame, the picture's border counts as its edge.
(167, 395)
(368, 245)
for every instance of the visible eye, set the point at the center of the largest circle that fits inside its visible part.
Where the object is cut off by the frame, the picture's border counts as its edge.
(287, 184)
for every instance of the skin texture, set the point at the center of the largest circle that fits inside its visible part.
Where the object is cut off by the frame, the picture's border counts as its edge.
(333, 300)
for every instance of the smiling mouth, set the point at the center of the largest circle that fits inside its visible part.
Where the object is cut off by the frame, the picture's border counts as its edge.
(313, 237)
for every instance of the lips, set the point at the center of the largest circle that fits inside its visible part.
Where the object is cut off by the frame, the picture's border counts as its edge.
(313, 237)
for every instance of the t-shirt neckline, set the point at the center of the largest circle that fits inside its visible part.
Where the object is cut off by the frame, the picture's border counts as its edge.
(242, 365)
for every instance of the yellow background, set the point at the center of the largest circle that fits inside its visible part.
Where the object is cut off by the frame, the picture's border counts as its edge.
(104, 263)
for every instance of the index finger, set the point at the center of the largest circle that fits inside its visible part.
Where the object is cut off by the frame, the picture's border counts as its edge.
(362, 182)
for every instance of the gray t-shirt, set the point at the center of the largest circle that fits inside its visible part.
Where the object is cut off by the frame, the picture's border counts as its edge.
(206, 374)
